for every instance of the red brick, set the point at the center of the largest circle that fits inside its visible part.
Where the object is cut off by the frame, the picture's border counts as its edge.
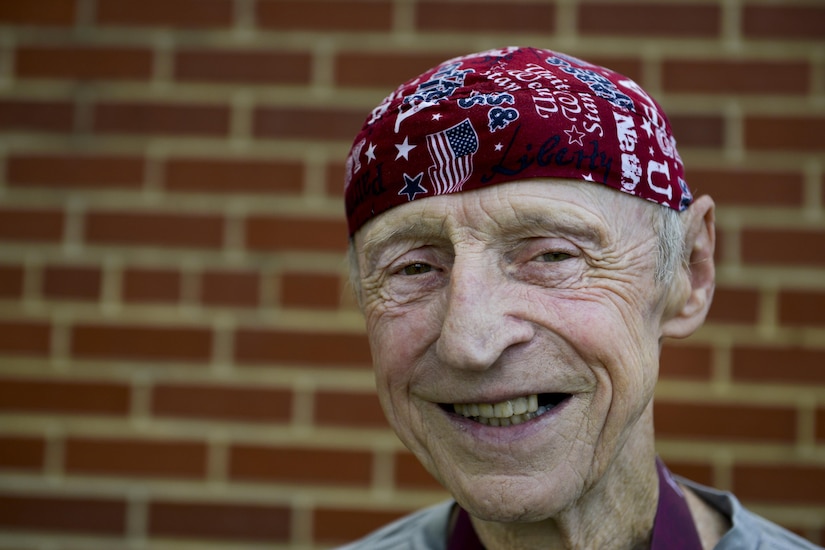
(71, 170)
(180, 13)
(798, 307)
(351, 410)
(230, 288)
(300, 465)
(271, 233)
(234, 176)
(154, 229)
(151, 285)
(335, 180)
(745, 187)
(785, 133)
(72, 283)
(783, 22)
(783, 247)
(642, 19)
(788, 365)
(164, 119)
(149, 343)
(310, 290)
(736, 77)
(706, 131)
(383, 69)
(730, 422)
(734, 305)
(245, 404)
(63, 514)
(486, 17)
(140, 458)
(320, 15)
(630, 67)
(59, 13)
(25, 338)
(340, 526)
(781, 483)
(64, 397)
(11, 281)
(410, 474)
(317, 123)
(22, 453)
(19, 224)
(83, 63)
(243, 67)
(36, 116)
(257, 346)
(219, 521)
(692, 362)
(698, 472)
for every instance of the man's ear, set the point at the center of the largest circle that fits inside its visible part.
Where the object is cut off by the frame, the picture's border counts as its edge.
(691, 307)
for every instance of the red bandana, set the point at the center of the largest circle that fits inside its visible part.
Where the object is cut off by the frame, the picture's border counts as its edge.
(507, 115)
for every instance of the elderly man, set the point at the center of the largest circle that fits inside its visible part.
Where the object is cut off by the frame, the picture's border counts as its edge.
(522, 242)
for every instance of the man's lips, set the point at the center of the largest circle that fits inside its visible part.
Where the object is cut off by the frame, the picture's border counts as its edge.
(509, 412)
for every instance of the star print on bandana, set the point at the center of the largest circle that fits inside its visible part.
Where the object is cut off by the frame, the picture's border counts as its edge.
(370, 154)
(512, 114)
(574, 136)
(404, 149)
(412, 186)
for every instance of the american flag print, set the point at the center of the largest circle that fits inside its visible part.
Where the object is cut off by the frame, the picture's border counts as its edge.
(452, 153)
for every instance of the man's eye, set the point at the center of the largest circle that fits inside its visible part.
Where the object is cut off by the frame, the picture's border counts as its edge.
(554, 256)
(417, 268)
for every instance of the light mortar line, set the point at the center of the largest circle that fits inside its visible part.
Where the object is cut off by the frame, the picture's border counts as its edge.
(55, 453)
(111, 285)
(566, 24)
(240, 124)
(322, 78)
(734, 132)
(403, 19)
(73, 228)
(731, 25)
(315, 162)
(812, 189)
(7, 46)
(217, 465)
(61, 340)
(806, 424)
(244, 14)
(767, 322)
(817, 61)
(85, 14)
(223, 349)
(163, 61)
(137, 516)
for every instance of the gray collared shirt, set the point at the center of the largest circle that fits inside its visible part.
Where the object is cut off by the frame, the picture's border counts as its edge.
(427, 528)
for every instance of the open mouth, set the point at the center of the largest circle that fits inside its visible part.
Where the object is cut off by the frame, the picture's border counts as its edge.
(510, 412)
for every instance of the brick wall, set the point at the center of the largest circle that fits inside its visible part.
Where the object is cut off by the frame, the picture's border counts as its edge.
(180, 360)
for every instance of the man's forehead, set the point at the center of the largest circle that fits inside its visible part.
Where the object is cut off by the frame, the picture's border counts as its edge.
(519, 208)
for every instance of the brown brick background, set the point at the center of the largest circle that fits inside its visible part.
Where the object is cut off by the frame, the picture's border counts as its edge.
(181, 362)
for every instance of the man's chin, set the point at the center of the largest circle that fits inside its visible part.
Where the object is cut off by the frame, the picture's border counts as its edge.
(513, 501)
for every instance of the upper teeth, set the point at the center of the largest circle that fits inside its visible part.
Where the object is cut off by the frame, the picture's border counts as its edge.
(503, 413)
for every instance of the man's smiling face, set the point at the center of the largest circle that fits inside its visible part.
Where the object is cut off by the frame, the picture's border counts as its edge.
(515, 333)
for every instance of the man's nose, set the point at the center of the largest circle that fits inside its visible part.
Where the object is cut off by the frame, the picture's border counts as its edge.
(483, 317)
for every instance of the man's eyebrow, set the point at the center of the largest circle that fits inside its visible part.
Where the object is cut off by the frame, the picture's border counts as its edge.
(562, 222)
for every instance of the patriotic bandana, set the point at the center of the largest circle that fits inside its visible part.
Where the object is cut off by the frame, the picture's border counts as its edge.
(506, 115)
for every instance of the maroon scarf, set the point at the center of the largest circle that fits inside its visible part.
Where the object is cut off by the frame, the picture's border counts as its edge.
(673, 528)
